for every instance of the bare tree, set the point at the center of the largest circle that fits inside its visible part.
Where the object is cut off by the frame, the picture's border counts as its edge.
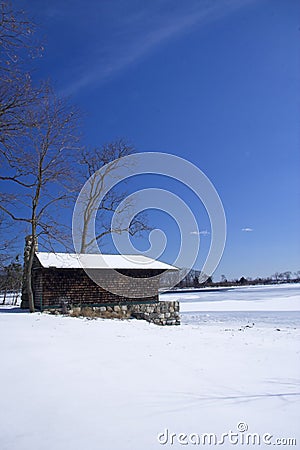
(297, 275)
(287, 275)
(17, 49)
(39, 166)
(108, 158)
(276, 276)
(16, 35)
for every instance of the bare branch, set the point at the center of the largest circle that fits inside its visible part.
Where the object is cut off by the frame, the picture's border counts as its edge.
(12, 216)
(107, 158)
(16, 180)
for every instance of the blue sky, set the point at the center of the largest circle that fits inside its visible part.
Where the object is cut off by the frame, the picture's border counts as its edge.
(215, 82)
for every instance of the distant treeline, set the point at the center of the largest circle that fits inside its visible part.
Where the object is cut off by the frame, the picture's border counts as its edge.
(10, 282)
(197, 279)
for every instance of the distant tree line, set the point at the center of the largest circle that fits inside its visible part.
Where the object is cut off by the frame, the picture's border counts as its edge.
(11, 282)
(194, 280)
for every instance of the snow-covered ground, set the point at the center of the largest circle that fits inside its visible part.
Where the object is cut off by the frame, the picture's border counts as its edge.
(81, 384)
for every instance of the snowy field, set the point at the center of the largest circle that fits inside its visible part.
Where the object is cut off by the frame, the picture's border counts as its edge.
(83, 384)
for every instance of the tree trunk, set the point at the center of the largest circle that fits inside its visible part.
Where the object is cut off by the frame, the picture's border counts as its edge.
(27, 291)
(28, 272)
(28, 276)
(4, 297)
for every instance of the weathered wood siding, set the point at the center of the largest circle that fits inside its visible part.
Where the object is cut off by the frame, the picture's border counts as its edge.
(52, 287)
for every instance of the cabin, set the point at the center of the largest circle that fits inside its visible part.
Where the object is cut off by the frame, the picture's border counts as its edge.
(62, 281)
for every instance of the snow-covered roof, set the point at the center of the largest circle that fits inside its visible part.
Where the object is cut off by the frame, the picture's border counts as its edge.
(100, 261)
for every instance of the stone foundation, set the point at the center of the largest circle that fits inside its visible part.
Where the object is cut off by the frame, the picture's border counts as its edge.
(161, 313)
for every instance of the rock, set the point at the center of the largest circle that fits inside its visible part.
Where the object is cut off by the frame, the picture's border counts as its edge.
(171, 322)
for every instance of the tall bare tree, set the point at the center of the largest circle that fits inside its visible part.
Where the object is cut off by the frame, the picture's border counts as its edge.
(39, 166)
(108, 159)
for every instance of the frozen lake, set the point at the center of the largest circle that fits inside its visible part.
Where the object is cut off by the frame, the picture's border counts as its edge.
(277, 305)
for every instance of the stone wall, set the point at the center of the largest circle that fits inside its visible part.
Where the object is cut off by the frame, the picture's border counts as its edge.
(28, 244)
(161, 313)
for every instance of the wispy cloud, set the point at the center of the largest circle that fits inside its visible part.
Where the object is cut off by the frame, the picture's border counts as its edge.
(247, 230)
(138, 32)
(202, 232)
